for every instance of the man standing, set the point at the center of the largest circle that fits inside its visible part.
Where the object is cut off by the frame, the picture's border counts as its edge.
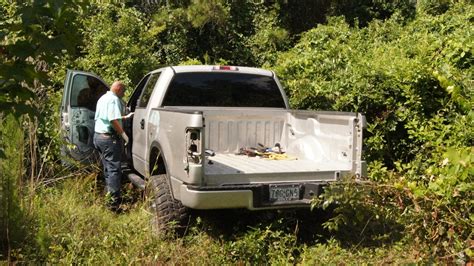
(108, 128)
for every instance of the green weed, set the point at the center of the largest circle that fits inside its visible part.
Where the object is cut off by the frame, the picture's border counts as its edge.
(12, 231)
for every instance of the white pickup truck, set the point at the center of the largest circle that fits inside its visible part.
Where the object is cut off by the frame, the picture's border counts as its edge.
(213, 137)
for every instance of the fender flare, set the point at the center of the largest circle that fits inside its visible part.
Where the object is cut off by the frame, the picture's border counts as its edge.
(155, 145)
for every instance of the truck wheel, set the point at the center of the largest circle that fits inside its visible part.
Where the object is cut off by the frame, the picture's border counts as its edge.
(167, 212)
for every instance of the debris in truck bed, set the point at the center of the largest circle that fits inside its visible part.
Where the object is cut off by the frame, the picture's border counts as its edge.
(281, 157)
(262, 151)
(250, 152)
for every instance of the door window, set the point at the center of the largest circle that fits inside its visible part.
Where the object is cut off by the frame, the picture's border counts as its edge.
(146, 94)
(86, 91)
(133, 102)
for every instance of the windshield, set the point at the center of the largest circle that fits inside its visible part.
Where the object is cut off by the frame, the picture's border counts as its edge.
(223, 89)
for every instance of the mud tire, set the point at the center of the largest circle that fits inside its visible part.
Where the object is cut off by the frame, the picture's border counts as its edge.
(168, 214)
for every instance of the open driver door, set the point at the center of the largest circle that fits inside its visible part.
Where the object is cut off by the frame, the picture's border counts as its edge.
(81, 92)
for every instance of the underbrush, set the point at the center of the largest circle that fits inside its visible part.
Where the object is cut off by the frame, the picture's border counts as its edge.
(69, 224)
(389, 213)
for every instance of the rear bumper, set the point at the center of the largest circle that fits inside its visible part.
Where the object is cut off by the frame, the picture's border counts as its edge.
(253, 197)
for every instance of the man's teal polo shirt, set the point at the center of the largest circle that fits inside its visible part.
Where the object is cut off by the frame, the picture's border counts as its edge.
(109, 107)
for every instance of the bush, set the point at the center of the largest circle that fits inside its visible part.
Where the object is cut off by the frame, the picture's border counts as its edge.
(388, 71)
(412, 80)
(117, 44)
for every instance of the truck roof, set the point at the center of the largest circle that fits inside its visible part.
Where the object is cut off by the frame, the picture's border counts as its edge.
(214, 68)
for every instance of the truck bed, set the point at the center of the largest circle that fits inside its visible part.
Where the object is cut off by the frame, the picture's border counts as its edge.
(323, 146)
(224, 164)
(231, 169)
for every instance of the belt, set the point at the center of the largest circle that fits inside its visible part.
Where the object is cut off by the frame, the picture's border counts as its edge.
(106, 134)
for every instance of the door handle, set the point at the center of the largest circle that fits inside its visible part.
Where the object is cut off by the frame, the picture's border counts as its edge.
(142, 124)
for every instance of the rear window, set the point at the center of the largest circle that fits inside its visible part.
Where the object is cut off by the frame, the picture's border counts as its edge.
(223, 89)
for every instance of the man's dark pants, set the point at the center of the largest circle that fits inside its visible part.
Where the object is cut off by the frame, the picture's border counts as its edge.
(110, 149)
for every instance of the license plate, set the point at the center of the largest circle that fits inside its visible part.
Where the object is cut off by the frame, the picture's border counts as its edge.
(284, 192)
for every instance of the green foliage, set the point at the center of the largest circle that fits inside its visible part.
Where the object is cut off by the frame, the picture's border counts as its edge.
(264, 244)
(270, 37)
(174, 42)
(117, 44)
(363, 216)
(389, 72)
(200, 30)
(237, 32)
(333, 253)
(72, 225)
(45, 140)
(360, 13)
(202, 12)
(410, 75)
(11, 213)
(435, 210)
(434, 7)
(443, 210)
(248, 32)
(436, 216)
(413, 81)
(32, 36)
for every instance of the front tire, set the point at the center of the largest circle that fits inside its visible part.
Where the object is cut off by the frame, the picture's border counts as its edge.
(167, 213)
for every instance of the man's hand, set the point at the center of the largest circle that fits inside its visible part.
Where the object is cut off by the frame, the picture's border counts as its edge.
(128, 116)
(125, 138)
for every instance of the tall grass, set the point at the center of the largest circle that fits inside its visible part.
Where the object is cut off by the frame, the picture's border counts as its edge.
(11, 214)
(71, 225)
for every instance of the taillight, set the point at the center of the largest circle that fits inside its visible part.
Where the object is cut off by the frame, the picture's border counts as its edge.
(193, 145)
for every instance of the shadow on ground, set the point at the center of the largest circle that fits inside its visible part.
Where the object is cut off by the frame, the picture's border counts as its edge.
(305, 224)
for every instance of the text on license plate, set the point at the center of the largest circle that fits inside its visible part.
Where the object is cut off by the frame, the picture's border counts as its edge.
(284, 193)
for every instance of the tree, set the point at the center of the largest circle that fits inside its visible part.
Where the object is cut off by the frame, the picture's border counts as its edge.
(33, 36)
(117, 44)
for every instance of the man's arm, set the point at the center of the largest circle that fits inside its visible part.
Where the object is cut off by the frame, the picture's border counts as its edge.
(118, 128)
(114, 115)
(115, 123)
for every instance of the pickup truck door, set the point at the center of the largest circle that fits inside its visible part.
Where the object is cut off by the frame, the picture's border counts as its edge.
(77, 110)
(140, 129)
(131, 107)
